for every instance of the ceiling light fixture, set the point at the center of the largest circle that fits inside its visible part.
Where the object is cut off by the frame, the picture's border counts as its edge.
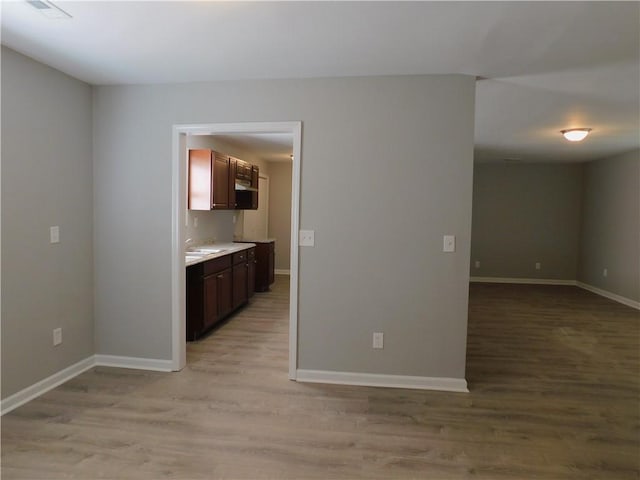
(48, 9)
(575, 134)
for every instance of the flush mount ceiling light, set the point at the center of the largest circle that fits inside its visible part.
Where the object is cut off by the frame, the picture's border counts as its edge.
(575, 134)
(48, 9)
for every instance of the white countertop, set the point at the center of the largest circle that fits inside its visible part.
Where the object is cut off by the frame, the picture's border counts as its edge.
(221, 249)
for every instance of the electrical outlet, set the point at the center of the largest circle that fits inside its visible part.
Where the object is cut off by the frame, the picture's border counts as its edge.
(477, 264)
(378, 340)
(538, 266)
(54, 234)
(57, 336)
(449, 243)
(605, 272)
(307, 238)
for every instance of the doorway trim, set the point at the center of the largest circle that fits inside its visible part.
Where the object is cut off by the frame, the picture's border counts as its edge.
(178, 218)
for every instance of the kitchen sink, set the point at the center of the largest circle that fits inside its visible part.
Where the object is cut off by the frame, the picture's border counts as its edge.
(205, 251)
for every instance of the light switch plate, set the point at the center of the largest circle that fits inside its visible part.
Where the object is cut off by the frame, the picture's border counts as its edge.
(449, 243)
(54, 234)
(378, 340)
(57, 336)
(307, 238)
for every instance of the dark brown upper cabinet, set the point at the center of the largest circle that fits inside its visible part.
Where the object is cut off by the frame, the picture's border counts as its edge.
(220, 182)
(208, 180)
(255, 179)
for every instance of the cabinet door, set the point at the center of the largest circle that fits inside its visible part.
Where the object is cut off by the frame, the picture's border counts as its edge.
(200, 175)
(272, 262)
(210, 312)
(231, 183)
(225, 288)
(195, 301)
(220, 182)
(255, 180)
(239, 284)
(251, 273)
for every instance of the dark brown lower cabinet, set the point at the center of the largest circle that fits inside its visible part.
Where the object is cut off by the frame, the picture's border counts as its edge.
(251, 272)
(224, 281)
(210, 311)
(265, 265)
(240, 284)
(215, 289)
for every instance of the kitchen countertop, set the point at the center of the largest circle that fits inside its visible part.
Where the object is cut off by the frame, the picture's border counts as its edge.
(256, 240)
(223, 249)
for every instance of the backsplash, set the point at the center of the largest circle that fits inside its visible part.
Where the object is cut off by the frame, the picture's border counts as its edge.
(213, 226)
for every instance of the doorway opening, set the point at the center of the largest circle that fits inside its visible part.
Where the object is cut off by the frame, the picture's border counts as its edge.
(179, 209)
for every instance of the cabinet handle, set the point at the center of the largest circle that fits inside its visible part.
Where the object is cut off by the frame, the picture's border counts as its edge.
(221, 276)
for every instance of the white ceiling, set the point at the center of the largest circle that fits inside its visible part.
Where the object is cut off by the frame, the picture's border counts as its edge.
(545, 66)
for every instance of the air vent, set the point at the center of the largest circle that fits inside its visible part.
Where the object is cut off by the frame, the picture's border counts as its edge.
(48, 9)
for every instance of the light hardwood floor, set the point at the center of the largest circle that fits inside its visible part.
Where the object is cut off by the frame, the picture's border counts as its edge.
(555, 394)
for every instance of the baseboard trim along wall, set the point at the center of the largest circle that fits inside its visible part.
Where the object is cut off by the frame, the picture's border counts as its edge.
(134, 362)
(279, 271)
(381, 380)
(611, 296)
(43, 386)
(27, 394)
(543, 281)
(526, 281)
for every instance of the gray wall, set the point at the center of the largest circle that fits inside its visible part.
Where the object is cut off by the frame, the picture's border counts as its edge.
(46, 181)
(523, 214)
(611, 225)
(280, 211)
(378, 154)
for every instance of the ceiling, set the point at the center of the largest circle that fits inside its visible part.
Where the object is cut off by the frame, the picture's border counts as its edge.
(542, 66)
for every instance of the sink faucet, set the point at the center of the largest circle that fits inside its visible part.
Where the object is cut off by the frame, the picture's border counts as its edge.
(188, 241)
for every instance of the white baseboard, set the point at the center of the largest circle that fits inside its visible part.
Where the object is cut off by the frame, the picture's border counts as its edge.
(27, 394)
(526, 281)
(381, 380)
(134, 362)
(611, 296)
(279, 271)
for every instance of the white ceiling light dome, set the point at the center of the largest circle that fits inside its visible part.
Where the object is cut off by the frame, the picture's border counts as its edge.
(575, 134)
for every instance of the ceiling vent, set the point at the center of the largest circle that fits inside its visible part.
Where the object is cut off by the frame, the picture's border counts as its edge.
(48, 9)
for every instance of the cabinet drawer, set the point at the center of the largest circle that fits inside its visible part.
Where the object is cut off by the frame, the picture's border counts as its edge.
(240, 257)
(217, 264)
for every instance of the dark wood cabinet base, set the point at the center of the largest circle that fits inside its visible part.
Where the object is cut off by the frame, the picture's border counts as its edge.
(217, 288)
(265, 263)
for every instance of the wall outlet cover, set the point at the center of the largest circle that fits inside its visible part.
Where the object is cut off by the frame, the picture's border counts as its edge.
(54, 234)
(307, 238)
(57, 336)
(449, 243)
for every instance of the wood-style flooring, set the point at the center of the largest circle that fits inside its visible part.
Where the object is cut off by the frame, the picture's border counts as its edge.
(554, 374)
